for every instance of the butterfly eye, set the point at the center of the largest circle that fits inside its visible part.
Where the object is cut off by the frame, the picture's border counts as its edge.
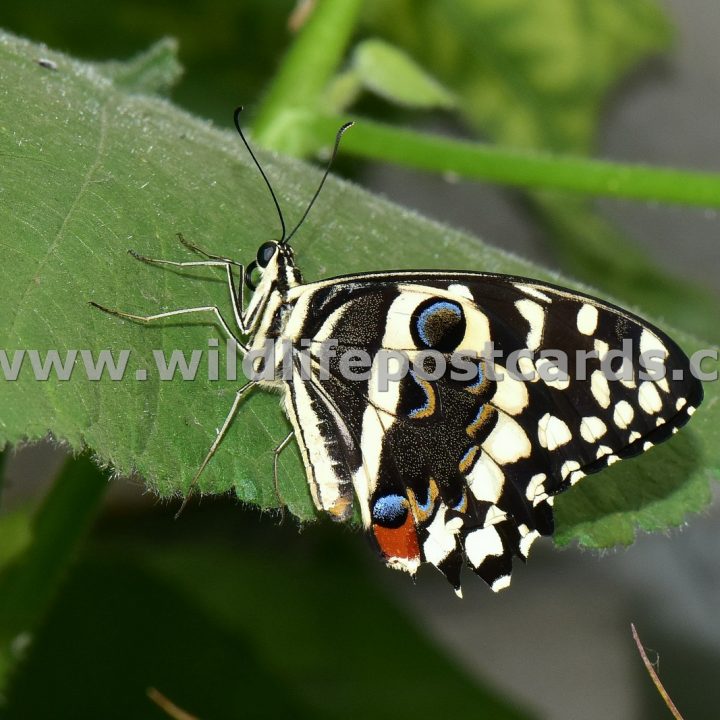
(252, 275)
(265, 253)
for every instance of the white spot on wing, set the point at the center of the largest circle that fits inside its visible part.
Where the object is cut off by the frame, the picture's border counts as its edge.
(511, 395)
(501, 583)
(535, 316)
(569, 466)
(535, 491)
(576, 476)
(462, 290)
(587, 318)
(623, 414)
(481, 544)
(507, 442)
(441, 537)
(527, 540)
(649, 342)
(494, 515)
(601, 348)
(592, 429)
(557, 378)
(649, 398)
(553, 432)
(600, 388)
(486, 479)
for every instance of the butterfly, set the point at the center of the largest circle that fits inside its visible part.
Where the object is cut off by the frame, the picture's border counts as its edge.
(447, 469)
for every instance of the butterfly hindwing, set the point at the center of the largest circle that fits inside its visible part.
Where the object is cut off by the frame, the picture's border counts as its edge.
(451, 470)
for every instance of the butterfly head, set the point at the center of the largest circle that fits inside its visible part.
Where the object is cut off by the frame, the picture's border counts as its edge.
(273, 268)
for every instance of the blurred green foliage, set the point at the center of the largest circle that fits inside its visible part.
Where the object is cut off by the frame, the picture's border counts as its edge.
(252, 621)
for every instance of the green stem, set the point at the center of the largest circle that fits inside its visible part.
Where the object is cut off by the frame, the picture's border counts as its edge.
(309, 65)
(28, 585)
(507, 166)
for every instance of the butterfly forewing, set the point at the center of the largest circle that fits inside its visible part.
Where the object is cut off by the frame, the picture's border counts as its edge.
(456, 469)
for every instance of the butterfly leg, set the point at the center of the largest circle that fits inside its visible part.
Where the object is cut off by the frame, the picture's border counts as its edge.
(192, 246)
(236, 292)
(173, 313)
(276, 459)
(216, 443)
(236, 296)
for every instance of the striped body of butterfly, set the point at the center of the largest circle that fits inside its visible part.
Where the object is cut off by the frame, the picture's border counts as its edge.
(452, 471)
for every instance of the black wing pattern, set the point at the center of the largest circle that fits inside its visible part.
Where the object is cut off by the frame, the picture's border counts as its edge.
(463, 470)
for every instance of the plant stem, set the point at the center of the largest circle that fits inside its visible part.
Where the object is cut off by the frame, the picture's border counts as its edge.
(654, 676)
(28, 585)
(309, 64)
(508, 166)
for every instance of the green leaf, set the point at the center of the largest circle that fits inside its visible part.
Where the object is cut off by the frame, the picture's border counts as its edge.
(90, 170)
(392, 74)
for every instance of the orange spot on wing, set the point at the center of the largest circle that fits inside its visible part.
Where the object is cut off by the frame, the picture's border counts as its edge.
(399, 542)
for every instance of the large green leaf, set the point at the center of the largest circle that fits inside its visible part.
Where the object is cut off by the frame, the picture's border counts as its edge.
(90, 170)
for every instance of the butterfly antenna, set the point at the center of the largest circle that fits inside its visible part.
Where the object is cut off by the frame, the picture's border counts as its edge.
(338, 137)
(236, 118)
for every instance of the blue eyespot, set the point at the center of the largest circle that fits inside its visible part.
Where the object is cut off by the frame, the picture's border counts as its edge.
(390, 510)
(438, 324)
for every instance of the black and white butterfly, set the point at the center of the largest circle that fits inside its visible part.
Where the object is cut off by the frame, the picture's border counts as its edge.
(448, 471)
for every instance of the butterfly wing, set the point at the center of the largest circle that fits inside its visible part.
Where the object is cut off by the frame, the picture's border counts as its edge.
(447, 467)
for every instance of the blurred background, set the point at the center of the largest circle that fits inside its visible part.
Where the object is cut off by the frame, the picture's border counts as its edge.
(229, 614)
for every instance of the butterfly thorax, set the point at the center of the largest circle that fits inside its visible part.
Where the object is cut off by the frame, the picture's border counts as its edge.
(270, 306)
